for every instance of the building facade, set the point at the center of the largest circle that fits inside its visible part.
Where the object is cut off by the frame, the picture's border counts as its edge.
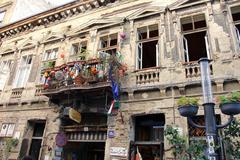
(97, 79)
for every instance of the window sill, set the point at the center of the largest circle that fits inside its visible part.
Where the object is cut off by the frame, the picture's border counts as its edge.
(146, 69)
(193, 62)
(148, 142)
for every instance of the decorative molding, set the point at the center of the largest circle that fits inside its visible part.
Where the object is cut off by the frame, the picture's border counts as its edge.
(52, 15)
(186, 3)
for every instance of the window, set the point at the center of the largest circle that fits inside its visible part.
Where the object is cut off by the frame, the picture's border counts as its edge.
(236, 18)
(37, 137)
(7, 130)
(79, 50)
(108, 44)
(4, 72)
(195, 38)
(147, 47)
(49, 59)
(149, 136)
(2, 14)
(23, 71)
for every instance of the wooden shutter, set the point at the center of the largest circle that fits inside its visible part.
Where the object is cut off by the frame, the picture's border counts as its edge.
(34, 70)
(185, 48)
(13, 71)
(24, 148)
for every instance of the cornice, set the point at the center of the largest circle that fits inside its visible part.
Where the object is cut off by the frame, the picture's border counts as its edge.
(52, 15)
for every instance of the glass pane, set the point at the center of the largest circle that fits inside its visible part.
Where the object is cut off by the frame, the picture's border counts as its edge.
(113, 39)
(2, 16)
(38, 129)
(199, 21)
(75, 48)
(142, 33)
(186, 23)
(153, 31)
(103, 42)
(35, 148)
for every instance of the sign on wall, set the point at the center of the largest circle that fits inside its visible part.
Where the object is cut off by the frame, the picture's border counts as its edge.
(74, 115)
(7, 130)
(118, 151)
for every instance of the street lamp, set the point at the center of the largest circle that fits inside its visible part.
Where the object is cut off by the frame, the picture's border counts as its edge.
(209, 113)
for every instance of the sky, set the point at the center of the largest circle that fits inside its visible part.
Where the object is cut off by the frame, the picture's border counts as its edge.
(58, 2)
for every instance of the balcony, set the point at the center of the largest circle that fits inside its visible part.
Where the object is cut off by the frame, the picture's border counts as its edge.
(192, 69)
(148, 76)
(77, 76)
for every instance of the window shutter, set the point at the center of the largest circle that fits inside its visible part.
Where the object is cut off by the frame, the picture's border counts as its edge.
(185, 48)
(13, 72)
(157, 54)
(24, 148)
(34, 70)
(207, 46)
(238, 36)
(139, 56)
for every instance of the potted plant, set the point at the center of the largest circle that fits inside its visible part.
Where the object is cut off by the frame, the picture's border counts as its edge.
(230, 104)
(187, 107)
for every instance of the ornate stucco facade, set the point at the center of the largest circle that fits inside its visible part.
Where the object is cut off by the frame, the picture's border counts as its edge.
(160, 42)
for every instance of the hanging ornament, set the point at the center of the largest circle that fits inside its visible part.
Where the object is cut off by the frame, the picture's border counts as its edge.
(46, 74)
(62, 55)
(93, 70)
(59, 75)
(52, 73)
(123, 35)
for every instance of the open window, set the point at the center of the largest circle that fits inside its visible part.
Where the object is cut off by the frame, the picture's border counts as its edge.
(79, 50)
(195, 38)
(23, 71)
(4, 72)
(37, 133)
(108, 44)
(50, 57)
(236, 19)
(149, 136)
(2, 14)
(147, 47)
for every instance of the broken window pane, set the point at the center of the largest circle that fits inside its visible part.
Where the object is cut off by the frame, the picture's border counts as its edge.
(153, 31)
(187, 23)
(236, 13)
(149, 54)
(196, 45)
(103, 42)
(199, 21)
(113, 39)
(193, 22)
(142, 33)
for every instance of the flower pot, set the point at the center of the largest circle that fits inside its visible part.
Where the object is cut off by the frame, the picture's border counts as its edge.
(188, 110)
(231, 108)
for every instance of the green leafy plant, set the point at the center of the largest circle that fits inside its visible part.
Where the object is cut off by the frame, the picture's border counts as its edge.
(180, 147)
(232, 140)
(232, 97)
(183, 101)
(10, 143)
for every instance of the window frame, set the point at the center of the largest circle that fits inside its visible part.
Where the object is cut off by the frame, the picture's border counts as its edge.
(3, 16)
(236, 31)
(33, 123)
(108, 46)
(139, 44)
(81, 54)
(21, 67)
(185, 47)
(9, 63)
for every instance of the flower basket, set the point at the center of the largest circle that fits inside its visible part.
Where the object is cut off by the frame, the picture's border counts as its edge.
(230, 104)
(188, 107)
(188, 110)
(231, 108)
